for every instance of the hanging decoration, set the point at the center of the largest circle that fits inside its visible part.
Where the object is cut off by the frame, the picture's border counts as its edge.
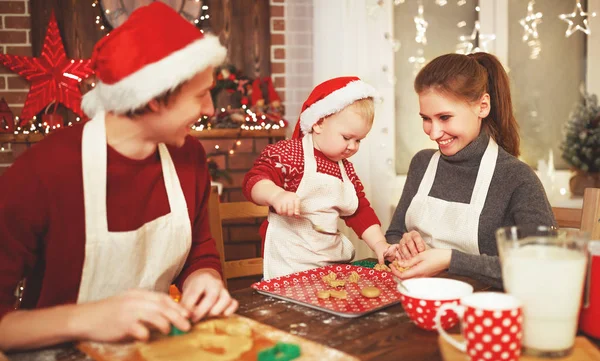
(106, 13)
(394, 43)
(417, 61)
(467, 42)
(421, 26)
(576, 19)
(53, 77)
(530, 32)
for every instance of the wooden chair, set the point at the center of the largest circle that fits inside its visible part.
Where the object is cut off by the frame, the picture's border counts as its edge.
(587, 219)
(219, 212)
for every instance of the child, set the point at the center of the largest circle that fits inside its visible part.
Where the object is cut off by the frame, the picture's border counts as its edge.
(307, 179)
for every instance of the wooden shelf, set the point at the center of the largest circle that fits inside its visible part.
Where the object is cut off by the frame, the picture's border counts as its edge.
(206, 134)
(233, 133)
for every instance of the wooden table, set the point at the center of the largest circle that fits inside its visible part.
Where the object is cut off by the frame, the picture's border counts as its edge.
(385, 335)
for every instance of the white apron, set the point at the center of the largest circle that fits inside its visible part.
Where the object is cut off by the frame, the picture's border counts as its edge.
(291, 244)
(451, 225)
(149, 257)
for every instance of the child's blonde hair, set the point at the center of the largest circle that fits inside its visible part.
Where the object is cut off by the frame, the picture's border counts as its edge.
(365, 108)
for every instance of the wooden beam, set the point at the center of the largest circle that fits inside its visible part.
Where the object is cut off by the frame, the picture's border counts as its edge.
(567, 217)
(590, 219)
(242, 210)
(243, 268)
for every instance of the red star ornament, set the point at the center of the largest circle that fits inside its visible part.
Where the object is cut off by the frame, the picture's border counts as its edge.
(53, 76)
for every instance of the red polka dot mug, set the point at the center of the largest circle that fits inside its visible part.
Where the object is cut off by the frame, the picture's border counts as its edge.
(421, 298)
(491, 326)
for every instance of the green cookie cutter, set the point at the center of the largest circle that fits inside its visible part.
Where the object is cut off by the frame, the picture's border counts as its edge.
(280, 352)
(176, 332)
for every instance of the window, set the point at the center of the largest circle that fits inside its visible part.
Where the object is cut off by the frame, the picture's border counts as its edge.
(544, 90)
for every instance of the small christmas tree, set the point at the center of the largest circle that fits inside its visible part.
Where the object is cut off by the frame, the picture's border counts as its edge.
(581, 145)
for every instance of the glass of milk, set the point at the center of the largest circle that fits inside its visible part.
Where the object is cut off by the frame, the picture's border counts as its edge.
(545, 269)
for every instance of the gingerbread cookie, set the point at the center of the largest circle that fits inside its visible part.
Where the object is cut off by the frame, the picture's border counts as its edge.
(323, 294)
(382, 267)
(370, 292)
(401, 269)
(341, 294)
(354, 277)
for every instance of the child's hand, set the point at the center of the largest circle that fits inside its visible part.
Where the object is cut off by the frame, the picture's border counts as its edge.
(392, 253)
(286, 203)
(385, 251)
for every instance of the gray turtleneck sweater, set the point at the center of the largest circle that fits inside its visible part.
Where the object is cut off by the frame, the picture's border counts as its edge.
(515, 197)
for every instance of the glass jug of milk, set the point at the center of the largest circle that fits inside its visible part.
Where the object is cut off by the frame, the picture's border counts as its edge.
(545, 269)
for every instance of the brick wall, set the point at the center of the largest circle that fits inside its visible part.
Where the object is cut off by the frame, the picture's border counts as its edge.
(299, 59)
(15, 25)
(278, 48)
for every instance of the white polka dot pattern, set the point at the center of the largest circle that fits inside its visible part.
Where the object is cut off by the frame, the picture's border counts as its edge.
(422, 312)
(493, 335)
(302, 288)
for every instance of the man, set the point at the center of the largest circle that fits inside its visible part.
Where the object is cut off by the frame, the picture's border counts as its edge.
(101, 218)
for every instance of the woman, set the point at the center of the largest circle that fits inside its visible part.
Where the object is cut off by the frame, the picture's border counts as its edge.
(455, 198)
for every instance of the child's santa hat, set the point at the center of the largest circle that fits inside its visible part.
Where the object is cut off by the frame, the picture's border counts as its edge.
(330, 97)
(153, 51)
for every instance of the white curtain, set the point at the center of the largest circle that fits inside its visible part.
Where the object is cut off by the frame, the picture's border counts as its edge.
(348, 39)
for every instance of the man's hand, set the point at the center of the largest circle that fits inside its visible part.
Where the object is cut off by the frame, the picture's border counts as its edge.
(204, 294)
(131, 315)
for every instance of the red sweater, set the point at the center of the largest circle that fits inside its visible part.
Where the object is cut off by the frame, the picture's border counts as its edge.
(42, 214)
(283, 163)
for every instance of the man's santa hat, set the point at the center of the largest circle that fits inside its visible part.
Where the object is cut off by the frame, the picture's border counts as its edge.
(330, 97)
(153, 51)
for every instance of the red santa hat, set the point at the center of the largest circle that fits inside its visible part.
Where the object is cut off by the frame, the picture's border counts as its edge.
(330, 97)
(256, 92)
(273, 96)
(153, 51)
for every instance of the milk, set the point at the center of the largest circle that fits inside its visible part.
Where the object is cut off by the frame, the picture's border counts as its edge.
(549, 282)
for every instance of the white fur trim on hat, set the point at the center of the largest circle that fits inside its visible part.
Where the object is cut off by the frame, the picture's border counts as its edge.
(335, 102)
(137, 89)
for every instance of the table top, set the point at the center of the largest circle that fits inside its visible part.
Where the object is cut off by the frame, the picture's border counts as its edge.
(385, 335)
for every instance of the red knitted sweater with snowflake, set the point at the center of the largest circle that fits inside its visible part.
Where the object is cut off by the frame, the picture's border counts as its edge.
(283, 163)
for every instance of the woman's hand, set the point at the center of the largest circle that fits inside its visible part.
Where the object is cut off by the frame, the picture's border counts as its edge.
(411, 245)
(425, 264)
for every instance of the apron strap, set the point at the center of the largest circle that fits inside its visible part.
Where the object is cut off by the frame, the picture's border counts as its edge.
(176, 197)
(310, 163)
(94, 159)
(485, 174)
(429, 176)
